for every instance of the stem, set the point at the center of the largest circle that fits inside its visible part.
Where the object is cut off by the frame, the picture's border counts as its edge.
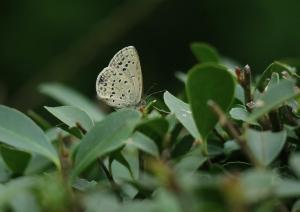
(115, 187)
(274, 118)
(224, 121)
(244, 79)
(247, 86)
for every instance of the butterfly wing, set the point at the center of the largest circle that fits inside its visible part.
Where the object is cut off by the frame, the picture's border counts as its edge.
(115, 88)
(127, 61)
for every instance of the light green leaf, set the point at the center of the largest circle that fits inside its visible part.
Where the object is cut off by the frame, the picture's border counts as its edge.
(275, 67)
(68, 96)
(106, 136)
(265, 145)
(190, 162)
(205, 53)
(295, 163)
(288, 188)
(19, 131)
(144, 143)
(273, 97)
(182, 112)
(72, 116)
(209, 82)
(241, 114)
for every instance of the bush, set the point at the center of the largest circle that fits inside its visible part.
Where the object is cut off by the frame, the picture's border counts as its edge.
(232, 147)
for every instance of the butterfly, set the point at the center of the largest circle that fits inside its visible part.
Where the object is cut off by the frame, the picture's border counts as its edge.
(120, 84)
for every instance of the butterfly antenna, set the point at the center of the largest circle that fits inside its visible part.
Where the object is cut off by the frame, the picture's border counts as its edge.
(154, 93)
(160, 110)
(149, 89)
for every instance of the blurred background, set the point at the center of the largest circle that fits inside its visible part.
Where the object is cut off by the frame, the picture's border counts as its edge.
(70, 41)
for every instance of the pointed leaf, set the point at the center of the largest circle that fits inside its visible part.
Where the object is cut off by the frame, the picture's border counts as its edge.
(68, 96)
(182, 112)
(72, 116)
(273, 97)
(144, 143)
(21, 132)
(106, 136)
(265, 145)
(276, 67)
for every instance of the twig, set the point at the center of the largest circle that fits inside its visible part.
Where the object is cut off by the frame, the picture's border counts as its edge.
(244, 78)
(233, 132)
(275, 121)
(115, 187)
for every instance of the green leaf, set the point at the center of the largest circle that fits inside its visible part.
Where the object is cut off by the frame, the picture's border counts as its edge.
(273, 97)
(205, 53)
(258, 184)
(13, 187)
(68, 96)
(209, 82)
(265, 145)
(19, 131)
(106, 136)
(144, 143)
(288, 188)
(190, 162)
(275, 67)
(294, 163)
(241, 114)
(182, 112)
(72, 116)
(15, 159)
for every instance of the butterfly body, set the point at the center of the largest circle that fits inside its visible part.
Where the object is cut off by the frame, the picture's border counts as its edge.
(120, 84)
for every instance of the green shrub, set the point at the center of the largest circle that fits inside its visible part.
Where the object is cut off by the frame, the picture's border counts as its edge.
(231, 145)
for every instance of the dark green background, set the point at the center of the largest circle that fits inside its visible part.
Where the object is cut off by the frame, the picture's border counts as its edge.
(70, 41)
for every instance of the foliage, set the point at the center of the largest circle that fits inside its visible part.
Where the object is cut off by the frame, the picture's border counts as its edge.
(232, 146)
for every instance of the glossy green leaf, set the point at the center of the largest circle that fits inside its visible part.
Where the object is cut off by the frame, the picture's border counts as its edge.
(68, 96)
(182, 112)
(72, 116)
(205, 53)
(276, 67)
(19, 131)
(144, 143)
(106, 136)
(209, 82)
(273, 97)
(15, 159)
(265, 145)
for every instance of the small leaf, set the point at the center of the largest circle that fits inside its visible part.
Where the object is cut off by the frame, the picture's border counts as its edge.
(295, 163)
(265, 145)
(106, 136)
(273, 97)
(19, 131)
(68, 96)
(241, 114)
(209, 82)
(182, 112)
(190, 162)
(16, 160)
(205, 53)
(144, 143)
(72, 116)
(276, 67)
